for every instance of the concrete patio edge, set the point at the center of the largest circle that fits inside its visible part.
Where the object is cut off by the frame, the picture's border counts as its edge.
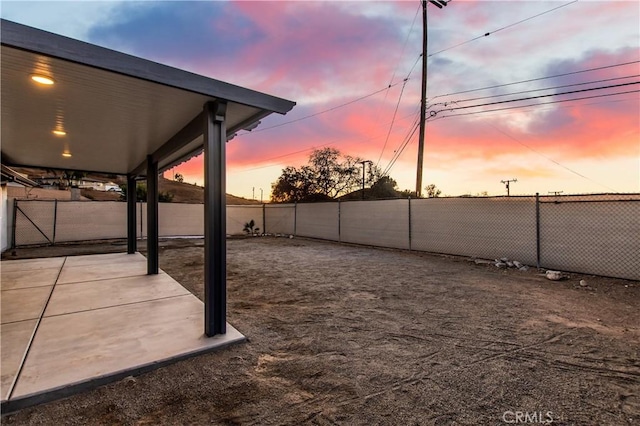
(61, 392)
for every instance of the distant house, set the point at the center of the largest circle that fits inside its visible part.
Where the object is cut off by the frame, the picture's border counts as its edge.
(9, 178)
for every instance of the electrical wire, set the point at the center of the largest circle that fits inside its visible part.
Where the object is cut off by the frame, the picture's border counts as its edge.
(319, 112)
(545, 88)
(547, 157)
(406, 40)
(537, 79)
(538, 104)
(500, 29)
(405, 142)
(305, 150)
(393, 119)
(539, 96)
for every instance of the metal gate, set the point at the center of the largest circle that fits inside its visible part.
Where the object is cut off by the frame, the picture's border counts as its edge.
(34, 222)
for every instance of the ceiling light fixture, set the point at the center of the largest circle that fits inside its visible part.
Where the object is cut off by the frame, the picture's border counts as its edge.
(59, 132)
(48, 81)
(66, 154)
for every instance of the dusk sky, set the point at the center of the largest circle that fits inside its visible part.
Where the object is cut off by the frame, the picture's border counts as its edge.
(324, 55)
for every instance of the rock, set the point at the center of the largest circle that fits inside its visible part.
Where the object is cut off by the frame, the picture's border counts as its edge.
(583, 283)
(129, 380)
(482, 262)
(523, 268)
(554, 275)
(501, 265)
(510, 264)
(517, 264)
(504, 259)
(291, 237)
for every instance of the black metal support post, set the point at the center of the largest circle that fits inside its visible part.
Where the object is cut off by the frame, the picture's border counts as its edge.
(339, 224)
(215, 223)
(152, 216)
(538, 230)
(55, 221)
(131, 215)
(409, 223)
(295, 218)
(13, 226)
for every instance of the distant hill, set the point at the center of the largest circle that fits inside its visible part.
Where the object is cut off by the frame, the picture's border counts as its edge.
(189, 193)
(182, 192)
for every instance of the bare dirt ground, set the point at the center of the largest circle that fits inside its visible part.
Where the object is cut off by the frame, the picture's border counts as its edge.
(352, 335)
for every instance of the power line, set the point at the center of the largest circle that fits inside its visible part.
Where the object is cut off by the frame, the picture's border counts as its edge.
(544, 88)
(393, 119)
(306, 150)
(500, 29)
(537, 79)
(546, 157)
(539, 104)
(540, 96)
(403, 144)
(406, 40)
(536, 105)
(320, 112)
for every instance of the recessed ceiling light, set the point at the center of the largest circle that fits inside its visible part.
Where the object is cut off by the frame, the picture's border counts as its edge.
(66, 154)
(59, 132)
(42, 79)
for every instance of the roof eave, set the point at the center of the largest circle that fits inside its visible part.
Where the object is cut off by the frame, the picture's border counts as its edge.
(42, 42)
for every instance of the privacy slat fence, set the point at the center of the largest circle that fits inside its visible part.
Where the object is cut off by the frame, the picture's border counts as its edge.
(592, 234)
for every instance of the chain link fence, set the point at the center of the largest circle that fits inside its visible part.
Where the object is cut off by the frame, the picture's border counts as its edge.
(597, 235)
(592, 234)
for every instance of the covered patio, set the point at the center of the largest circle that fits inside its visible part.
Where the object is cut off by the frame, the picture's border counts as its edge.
(73, 322)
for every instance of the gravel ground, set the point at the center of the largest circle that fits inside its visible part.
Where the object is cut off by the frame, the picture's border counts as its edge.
(353, 335)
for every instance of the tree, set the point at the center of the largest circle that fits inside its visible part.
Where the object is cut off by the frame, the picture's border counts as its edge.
(327, 176)
(141, 194)
(178, 177)
(432, 191)
(385, 187)
(68, 177)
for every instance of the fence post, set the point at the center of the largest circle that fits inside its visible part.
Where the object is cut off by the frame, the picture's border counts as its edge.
(13, 225)
(339, 224)
(295, 218)
(537, 230)
(55, 220)
(264, 219)
(409, 198)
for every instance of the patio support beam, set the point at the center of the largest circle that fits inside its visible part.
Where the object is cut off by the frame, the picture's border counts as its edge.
(152, 216)
(131, 214)
(215, 227)
(185, 135)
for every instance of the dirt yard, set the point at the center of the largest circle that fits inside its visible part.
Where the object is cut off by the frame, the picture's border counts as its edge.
(351, 335)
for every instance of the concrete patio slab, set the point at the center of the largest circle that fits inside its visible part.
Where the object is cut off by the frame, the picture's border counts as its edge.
(102, 318)
(31, 264)
(90, 295)
(99, 259)
(90, 345)
(23, 304)
(12, 280)
(102, 271)
(15, 339)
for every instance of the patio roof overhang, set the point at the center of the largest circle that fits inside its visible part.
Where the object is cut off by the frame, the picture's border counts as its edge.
(116, 109)
(125, 115)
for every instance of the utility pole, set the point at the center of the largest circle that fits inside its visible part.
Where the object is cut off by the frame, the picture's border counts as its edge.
(261, 195)
(506, 182)
(423, 97)
(253, 190)
(363, 171)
